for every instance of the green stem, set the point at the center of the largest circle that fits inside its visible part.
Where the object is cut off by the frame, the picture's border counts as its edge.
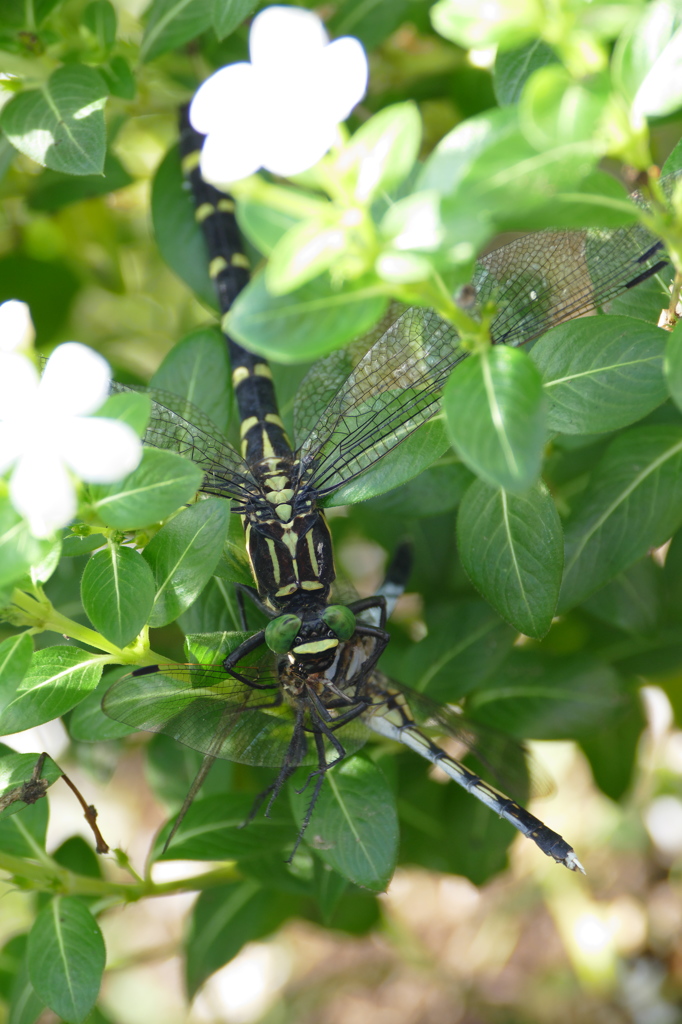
(57, 880)
(40, 615)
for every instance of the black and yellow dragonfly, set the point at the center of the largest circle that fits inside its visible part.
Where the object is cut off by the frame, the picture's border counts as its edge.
(314, 697)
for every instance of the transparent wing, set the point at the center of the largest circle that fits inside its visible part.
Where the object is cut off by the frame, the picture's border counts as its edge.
(178, 426)
(497, 754)
(393, 389)
(358, 405)
(208, 710)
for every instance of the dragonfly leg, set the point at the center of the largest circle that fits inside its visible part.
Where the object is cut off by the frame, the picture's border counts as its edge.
(377, 601)
(249, 645)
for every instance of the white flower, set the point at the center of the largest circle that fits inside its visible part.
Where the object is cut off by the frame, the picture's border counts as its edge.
(47, 433)
(281, 111)
(17, 332)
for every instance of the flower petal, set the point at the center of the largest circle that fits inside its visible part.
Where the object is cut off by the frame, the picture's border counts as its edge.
(41, 490)
(75, 381)
(17, 332)
(100, 451)
(298, 148)
(343, 76)
(227, 158)
(226, 92)
(282, 36)
(11, 445)
(19, 382)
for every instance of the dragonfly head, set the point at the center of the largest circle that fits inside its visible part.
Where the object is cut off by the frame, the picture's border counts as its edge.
(314, 637)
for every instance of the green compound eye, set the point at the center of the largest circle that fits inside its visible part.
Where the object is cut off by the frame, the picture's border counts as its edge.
(340, 620)
(280, 633)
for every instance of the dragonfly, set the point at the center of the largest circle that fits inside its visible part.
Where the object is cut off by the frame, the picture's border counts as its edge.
(352, 409)
(283, 720)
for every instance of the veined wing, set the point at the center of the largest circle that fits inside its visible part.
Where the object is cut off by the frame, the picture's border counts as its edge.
(359, 405)
(393, 389)
(544, 279)
(178, 426)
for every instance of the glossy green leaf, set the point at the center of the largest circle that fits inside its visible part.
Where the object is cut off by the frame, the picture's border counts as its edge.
(171, 23)
(88, 723)
(370, 23)
(214, 829)
(601, 373)
(556, 110)
(354, 827)
(508, 23)
(633, 502)
(131, 407)
(66, 958)
(58, 678)
(23, 828)
(225, 919)
(11, 957)
(161, 483)
(177, 233)
(171, 768)
(466, 643)
(117, 590)
(612, 752)
(512, 549)
(304, 324)
(647, 61)
(119, 78)
(404, 463)
(307, 250)
(198, 369)
(514, 67)
(437, 489)
(383, 150)
(495, 414)
(18, 548)
(24, 1005)
(632, 600)
(100, 18)
(15, 657)
(262, 225)
(536, 696)
(61, 125)
(183, 555)
(229, 14)
(673, 365)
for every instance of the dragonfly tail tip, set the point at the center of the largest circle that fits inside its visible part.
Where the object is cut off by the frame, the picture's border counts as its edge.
(573, 864)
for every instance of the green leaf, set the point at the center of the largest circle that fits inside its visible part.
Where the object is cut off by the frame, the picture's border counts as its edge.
(383, 150)
(198, 369)
(229, 14)
(117, 590)
(183, 555)
(466, 643)
(218, 828)
(508, 22)
(673, 365)
(131, 407)
(307, 250)
(170, 23)
(495, 414)
(263, 225)
(59, 677)
(100, 18)
(647, 61)
(540, 697)
(612, 752)
(225, 919)
(304, 324)
(66, 958)
(177, 233)
(601, 373)
(24, 1005)
(88, 723)
(557, 110)
(511, 547)
(61, 125)
(54, 190)
(16, 771)
(371, 23)
(23, 834)
(119, 78)
(18, 548)
(632, 600)
(15, 657)
(440, 488)
(161, 483)
(354, 827)
(407, 461)
(513, 68)
(633, 502)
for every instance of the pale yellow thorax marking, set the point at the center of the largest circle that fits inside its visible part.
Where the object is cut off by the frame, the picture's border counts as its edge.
(216, 266)
(263, 370)
(204, 211)
(191, 161)
(240, 374)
